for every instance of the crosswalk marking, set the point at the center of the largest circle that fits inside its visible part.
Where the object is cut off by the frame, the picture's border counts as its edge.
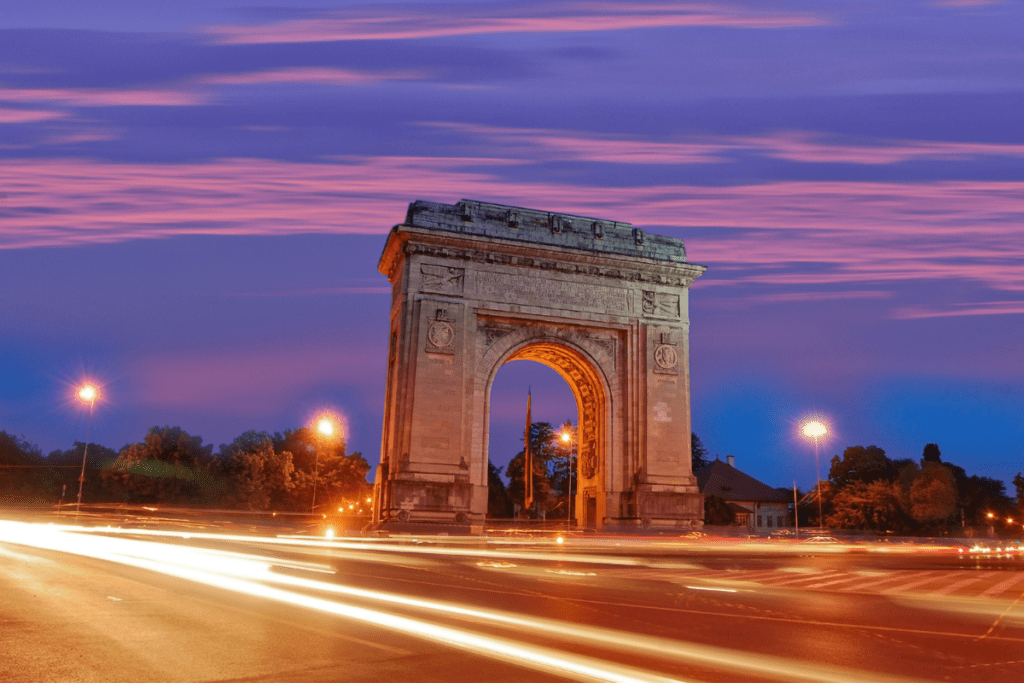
(1005, 585)
(931, 576)
(806, 577)
(962, 583)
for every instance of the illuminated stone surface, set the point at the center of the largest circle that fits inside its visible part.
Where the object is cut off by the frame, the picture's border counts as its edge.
(476, 285)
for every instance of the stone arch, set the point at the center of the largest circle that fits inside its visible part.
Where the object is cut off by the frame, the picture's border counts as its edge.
(604, 304)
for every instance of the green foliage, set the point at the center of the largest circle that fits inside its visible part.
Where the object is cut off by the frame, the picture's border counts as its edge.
(499, 504)
(931, 453)
(717, 512)
(339, 478)
(169, 466)
(544, 450)
(860, 464)
(261, 477)
(932, 493)
(23, 477)
(698, 453)
(868, 507)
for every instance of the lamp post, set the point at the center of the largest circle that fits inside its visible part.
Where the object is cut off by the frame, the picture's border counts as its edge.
(568, 440)
(87, 393)
(815, 430)
(325, 428)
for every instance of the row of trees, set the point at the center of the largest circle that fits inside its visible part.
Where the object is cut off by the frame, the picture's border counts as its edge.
(868, 491)
(554, 474)
(256, 471)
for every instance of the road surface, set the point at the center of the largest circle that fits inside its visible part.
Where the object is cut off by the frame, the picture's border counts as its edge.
(150, 605)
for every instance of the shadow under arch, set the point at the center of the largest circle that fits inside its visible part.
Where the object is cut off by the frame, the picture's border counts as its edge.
(583, 365)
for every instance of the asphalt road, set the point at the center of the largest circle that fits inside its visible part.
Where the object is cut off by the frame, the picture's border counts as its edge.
(120, 605)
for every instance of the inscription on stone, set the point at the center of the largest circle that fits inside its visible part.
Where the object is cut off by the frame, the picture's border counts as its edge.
(521, 289)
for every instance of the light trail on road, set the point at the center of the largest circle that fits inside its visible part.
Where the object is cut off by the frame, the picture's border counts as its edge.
(249, 574)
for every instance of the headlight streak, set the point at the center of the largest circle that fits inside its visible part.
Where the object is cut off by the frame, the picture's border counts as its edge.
(157, 557)
(576, 667)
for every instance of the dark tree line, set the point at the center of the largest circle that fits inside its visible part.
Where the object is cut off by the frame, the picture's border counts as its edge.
(553, 474)
(256, 471)
(868, 491)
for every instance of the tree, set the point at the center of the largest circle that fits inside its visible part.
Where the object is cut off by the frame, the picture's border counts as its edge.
(340, 478)
(931, 453)
(499, 505)
(543, 451)
(717, 512)
(261, 477)
(22, 473)
(1018, 482)
(860, 464)
(869, 507)
(66, 468)
(932, 493)
(562, 469)
(169, 466)
(698, 453)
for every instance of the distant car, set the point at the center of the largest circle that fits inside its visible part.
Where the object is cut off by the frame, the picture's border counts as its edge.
(781, 533)
(695, 535)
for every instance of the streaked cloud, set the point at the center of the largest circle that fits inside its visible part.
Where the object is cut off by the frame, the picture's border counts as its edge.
(798, 146)
(406, 22)
(310, 74)
(813, 233)
(962, 309)
(27, 115)
(104, 97)
(811, 148)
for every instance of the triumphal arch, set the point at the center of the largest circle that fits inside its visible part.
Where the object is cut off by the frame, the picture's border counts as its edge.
(475, 285)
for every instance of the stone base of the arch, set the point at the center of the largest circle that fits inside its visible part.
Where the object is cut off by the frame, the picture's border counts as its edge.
(668, 506)
(421, 502)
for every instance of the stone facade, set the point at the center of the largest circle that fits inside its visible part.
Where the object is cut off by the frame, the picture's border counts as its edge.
(476, 285)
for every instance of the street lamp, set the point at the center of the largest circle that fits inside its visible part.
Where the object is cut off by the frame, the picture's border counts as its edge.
(568, 441)
(87, 393)
(325, 428)
(815, 430)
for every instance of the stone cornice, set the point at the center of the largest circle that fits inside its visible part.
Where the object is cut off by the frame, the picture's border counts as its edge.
(405, 241)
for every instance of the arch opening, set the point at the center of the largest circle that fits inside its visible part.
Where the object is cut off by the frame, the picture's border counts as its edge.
(553, 411)
(589, 442)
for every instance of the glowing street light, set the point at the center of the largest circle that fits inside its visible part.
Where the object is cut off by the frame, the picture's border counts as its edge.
(326, 427)
(568, 441)
(815, 430)
(87, 393)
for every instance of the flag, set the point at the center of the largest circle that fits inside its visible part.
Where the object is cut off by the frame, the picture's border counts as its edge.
(527, 461)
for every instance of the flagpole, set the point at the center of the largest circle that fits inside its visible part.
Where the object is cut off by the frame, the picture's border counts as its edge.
(527, 460)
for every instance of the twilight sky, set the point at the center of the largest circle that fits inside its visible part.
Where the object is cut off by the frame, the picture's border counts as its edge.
(193, 199)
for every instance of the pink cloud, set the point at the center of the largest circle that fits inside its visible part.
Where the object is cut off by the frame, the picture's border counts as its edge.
(798, 146)
(809, 148)
(963, 309)
(27, 115)
(781, 234)
(555, 144)
(100, 97)
(318, 75)
(412, 22)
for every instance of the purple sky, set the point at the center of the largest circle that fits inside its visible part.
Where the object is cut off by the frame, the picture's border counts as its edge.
(194, 199)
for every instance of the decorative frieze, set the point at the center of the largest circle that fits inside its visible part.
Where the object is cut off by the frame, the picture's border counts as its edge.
(442, 279)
